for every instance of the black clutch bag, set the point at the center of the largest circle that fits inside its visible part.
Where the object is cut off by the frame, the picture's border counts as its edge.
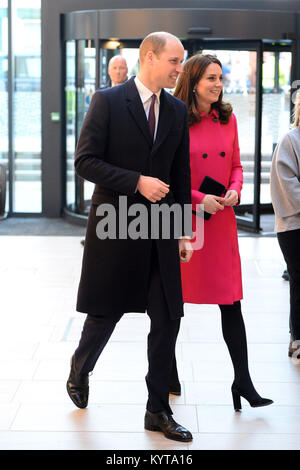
(211, 186)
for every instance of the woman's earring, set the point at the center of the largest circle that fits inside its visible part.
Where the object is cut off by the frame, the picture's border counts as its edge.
(194, 91)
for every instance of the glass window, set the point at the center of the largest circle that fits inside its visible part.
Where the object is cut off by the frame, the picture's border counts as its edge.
(131, 56)
(86, 69)
(4, 146)
(70, 96)
(26, 29)
(275, 112)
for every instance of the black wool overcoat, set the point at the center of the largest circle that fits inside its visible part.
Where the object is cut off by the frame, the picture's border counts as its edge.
(113, 150)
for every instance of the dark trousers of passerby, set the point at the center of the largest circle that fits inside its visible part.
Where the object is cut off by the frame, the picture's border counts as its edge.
(289, 243)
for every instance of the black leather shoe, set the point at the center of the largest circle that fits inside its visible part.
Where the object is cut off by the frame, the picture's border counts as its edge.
(175, 388)
(165, 423)
(78, 387)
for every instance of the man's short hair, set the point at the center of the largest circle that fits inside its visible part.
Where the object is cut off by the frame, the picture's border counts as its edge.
(155, 42)
(115, 57)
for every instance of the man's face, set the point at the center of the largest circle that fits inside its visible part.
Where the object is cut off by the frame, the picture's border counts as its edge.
(168, 65)
(118, 70)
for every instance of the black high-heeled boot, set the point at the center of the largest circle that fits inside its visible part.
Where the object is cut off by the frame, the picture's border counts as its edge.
(234, 334)
(255, 402)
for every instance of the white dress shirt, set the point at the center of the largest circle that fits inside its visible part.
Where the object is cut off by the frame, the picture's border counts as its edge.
(146, 97)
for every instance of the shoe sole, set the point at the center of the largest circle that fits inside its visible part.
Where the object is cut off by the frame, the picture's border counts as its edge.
(260, 406)
(168, 436)
(239, 410)
(78, 406)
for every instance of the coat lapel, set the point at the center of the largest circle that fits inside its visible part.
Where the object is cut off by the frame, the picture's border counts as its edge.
(136, 108)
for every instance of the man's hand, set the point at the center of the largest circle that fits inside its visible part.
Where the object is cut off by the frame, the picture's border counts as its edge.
(185, 250)
(152, 188)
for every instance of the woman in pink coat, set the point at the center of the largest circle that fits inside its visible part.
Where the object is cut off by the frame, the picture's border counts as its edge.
(213, 275)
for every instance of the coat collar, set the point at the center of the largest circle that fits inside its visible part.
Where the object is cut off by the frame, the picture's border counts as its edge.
(144, 92)
(213, 114)
(166, 114)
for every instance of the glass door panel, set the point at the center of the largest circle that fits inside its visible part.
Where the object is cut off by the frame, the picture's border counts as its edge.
(131, 56)
(275, 110)
(240, 61)
(86, 85)
(108, 49)
(27, 106)
(70, 106)
(4, 119)
(239, 69)
(257, 83)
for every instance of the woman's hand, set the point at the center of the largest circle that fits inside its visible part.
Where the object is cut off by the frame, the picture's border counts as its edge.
(231, 198)
(213, 204)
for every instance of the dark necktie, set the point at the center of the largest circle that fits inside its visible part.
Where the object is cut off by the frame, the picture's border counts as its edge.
(151, 117)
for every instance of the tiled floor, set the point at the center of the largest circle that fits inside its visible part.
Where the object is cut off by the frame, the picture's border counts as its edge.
(39, 330)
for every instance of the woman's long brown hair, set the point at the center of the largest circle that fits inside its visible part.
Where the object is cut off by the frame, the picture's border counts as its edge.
(193, 71)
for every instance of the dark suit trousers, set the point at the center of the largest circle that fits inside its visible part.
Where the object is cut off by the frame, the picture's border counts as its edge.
(289, 243)
(161, 341)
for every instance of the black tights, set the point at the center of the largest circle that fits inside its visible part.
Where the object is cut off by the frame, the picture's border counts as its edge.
(234, 334)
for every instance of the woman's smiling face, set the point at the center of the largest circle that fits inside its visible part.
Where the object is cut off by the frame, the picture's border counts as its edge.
(210, 85)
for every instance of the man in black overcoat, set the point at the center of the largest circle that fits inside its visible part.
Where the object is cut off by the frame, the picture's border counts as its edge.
(134, 146)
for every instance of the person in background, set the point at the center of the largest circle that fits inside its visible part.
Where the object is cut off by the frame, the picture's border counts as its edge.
(213, 276)
(117, 70)
(285, 195)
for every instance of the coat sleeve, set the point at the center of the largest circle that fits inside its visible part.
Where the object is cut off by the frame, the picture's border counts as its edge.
(285, 185)
(181, 178)
(236, 177)
(91, 151)
(197, 197)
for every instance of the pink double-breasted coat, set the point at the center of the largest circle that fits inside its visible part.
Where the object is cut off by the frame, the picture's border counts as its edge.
(213, 276)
